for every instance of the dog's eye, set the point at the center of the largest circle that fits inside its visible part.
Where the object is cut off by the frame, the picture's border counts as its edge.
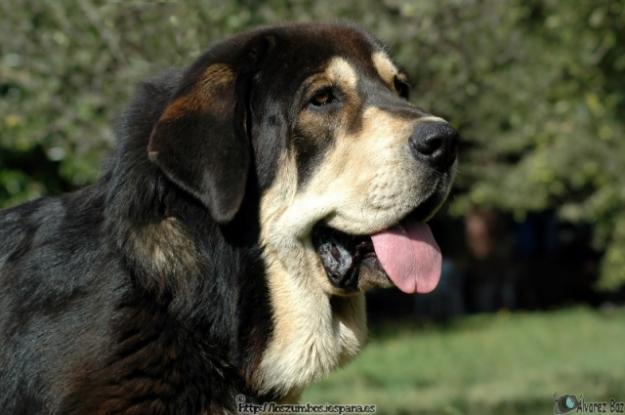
(322, 97)
(402, 87)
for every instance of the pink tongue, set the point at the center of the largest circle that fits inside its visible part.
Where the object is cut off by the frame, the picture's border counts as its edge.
(410, 256)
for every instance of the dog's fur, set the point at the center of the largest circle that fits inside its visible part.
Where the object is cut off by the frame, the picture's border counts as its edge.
(186, 275)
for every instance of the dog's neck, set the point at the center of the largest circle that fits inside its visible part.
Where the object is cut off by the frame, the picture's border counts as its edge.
(313, 333)
(283, 331)
(281, 334)
(201, 274)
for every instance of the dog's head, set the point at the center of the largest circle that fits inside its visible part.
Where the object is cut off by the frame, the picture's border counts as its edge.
(312, 123)
(348, 169)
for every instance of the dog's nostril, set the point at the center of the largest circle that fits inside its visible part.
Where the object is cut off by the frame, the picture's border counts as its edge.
(429, 145)
(434, 143)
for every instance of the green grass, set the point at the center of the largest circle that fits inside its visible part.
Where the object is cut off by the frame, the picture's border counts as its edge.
(488, 364)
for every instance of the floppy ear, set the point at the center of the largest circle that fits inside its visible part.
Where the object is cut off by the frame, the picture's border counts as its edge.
(200, 142)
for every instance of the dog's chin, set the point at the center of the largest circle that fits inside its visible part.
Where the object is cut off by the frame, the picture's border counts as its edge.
(350, 261)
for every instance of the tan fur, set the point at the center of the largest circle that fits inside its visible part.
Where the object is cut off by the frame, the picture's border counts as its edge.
(340, 71)
(318, 327)
(364, 201)
(169, 248)
(313, 334)
(386, 69)
(432, 118)
(309, 339)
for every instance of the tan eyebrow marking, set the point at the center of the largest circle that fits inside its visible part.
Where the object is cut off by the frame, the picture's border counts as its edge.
(386, 69)
(340, 71)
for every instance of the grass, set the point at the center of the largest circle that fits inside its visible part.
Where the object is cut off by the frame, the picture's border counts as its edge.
(500, 364)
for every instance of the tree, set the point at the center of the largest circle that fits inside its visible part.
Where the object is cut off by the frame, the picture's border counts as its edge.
(536, 88)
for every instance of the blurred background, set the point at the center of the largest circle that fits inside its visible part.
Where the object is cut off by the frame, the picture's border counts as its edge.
(534, 233)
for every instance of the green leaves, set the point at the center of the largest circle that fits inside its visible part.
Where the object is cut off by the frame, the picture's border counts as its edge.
(536, 88)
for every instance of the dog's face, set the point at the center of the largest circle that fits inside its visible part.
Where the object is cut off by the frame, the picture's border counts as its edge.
(321, 114)
(345, 168)
(356, 158)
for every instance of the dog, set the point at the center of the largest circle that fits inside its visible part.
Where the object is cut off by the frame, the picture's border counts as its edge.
(251, 201)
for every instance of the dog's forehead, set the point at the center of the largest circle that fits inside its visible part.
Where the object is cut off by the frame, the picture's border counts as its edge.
(339, 50)
(344, 71)
(341, 71)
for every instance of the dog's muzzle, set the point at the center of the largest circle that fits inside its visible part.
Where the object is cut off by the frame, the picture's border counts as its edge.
(406, 254)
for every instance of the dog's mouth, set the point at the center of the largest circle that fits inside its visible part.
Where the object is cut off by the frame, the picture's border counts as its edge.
(405, 255)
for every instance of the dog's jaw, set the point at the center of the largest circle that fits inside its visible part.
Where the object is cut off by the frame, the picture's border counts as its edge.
(313, 332)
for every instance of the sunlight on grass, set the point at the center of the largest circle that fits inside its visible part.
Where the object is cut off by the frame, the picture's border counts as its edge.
(490, 364)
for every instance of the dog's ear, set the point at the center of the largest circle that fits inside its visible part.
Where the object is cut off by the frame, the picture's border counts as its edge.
(200, 141)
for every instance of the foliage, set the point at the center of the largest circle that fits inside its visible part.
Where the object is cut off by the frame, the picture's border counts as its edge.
(537, 89)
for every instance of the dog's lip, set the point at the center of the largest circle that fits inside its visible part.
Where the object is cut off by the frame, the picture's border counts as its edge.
(374, 275)
(342, 263)
(342, 254)
(424, 211)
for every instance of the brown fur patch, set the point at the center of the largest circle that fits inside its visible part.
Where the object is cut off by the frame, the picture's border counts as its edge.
(208, 93)
(165, 251)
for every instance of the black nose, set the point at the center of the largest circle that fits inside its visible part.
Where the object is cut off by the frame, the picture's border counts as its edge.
(434, 143)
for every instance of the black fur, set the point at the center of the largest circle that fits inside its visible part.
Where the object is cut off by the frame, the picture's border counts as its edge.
(145, 292)
(88, 326)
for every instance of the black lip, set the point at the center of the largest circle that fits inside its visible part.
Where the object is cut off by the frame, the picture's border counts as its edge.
(427, 208)
(342, 254)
